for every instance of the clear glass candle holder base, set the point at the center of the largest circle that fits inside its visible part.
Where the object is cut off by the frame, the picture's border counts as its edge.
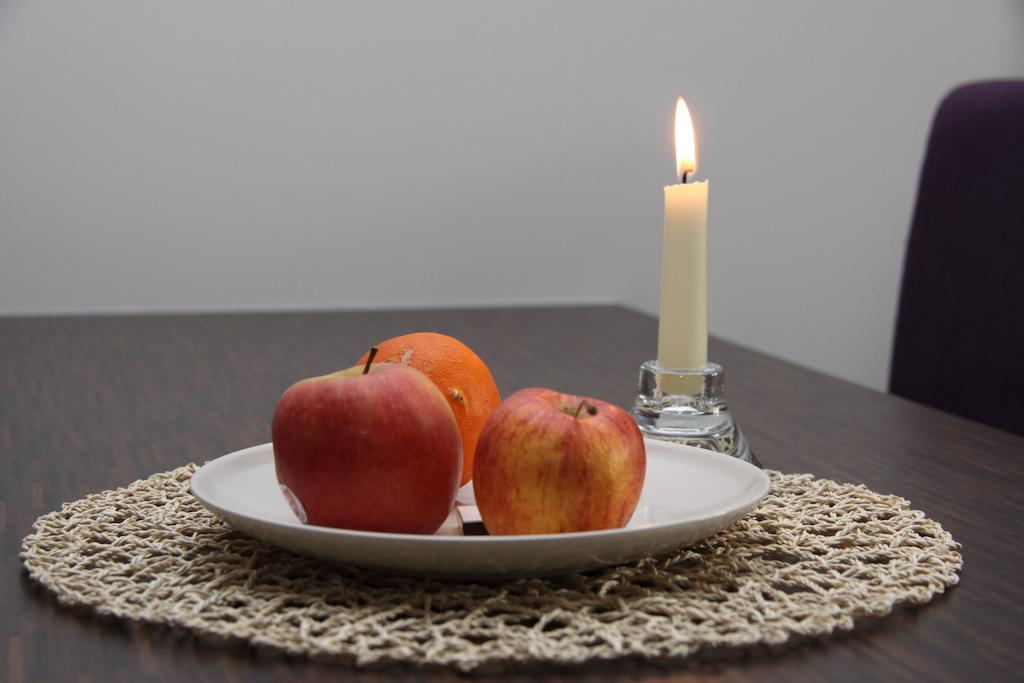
(688, 406)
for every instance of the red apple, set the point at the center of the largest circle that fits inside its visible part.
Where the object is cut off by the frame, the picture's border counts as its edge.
(377, 451)
(549, 462)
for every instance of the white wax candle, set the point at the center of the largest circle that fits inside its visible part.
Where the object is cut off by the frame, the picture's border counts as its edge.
(683, 328)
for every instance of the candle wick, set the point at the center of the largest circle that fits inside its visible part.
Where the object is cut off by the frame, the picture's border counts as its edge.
(685, 173)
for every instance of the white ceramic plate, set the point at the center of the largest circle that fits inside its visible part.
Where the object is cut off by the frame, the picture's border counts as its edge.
(689, 494)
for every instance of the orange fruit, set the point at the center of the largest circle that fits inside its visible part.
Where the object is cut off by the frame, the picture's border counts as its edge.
(459, 373)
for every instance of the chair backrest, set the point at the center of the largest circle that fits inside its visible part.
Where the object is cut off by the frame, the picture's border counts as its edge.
(959, 342)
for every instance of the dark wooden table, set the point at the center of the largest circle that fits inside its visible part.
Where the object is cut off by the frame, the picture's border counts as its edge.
(91, 403)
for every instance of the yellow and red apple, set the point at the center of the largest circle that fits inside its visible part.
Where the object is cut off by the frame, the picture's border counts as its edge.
(549, 462)
(375, 450)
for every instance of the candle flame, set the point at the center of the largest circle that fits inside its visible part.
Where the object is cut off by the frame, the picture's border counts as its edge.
(686, 142)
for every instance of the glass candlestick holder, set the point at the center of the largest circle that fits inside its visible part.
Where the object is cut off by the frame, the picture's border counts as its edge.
(688, 406)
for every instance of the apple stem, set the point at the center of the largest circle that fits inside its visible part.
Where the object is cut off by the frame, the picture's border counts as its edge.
(369, 360)
(591, 409)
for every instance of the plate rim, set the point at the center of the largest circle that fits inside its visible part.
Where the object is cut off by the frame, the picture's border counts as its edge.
(748, 502)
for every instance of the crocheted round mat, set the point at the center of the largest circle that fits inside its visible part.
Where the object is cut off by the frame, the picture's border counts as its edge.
(812, 558)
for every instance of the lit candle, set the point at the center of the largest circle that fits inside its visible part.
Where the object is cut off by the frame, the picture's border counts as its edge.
(683, 328)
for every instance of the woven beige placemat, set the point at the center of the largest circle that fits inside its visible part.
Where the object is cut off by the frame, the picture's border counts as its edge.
(812, 558)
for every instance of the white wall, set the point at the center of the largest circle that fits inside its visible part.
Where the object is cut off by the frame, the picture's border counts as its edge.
(253, 154)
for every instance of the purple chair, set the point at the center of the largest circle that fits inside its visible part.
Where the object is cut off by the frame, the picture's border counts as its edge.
(960, 329)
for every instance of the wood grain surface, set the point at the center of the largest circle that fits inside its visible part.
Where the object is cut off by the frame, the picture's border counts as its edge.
(91, 403)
